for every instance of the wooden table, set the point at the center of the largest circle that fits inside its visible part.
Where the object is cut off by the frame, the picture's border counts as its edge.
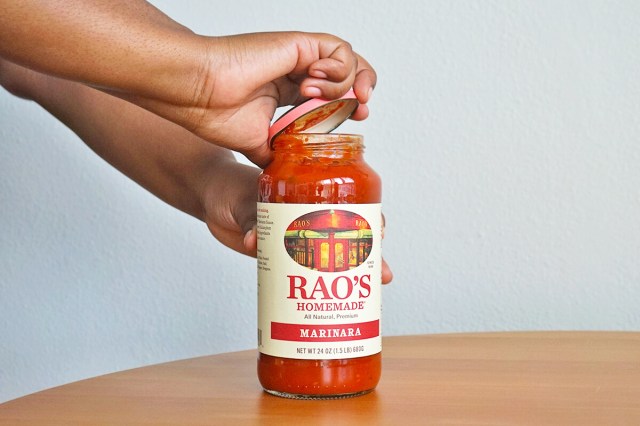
(541, 378)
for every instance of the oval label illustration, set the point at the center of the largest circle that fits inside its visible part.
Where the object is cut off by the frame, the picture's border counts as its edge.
(329, 240)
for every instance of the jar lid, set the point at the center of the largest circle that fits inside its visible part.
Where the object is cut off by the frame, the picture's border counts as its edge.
(317, 115)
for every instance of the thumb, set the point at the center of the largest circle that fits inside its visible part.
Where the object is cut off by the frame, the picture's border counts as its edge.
(230, 207)
(251, 241)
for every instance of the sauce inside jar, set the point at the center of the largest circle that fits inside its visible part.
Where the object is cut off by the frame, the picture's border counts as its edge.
(310, 170)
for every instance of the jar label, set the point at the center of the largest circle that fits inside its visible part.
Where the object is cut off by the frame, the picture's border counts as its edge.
(319, 276)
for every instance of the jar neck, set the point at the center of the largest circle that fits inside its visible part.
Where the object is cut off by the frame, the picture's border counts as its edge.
(325, 145)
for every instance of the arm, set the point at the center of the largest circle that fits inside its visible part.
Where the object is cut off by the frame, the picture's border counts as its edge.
(114, 44)
(183, 170)
(188, 173)
(224, 89)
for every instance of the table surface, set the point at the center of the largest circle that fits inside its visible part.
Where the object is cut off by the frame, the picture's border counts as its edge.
(538, 378)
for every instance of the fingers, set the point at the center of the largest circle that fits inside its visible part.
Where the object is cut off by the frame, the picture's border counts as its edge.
(237, 234)
(229, 202)
(365, 82)
(387, 275)
(250, 244)
(251, 241)
(231, 214)
(335, 70)
(325, 88)
(331, 77)
(236, 240)
(360, 113)
(261, 155)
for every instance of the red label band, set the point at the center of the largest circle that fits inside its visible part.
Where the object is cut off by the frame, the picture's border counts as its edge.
(325, 333)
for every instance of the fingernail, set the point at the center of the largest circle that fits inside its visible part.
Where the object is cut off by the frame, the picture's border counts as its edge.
(319, 74)
(369, 93)
(248, 236)
(312, 92)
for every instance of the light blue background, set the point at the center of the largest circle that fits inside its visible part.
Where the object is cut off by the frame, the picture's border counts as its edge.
(507, 135)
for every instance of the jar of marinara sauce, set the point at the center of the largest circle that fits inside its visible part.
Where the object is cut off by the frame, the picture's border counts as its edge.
(319, 258)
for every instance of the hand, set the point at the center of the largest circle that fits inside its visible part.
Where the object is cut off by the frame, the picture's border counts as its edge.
(248, 76)
(223, 89)
(229, 202)
(177, 166)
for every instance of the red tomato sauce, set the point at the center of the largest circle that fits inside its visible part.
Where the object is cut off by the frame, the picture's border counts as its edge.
(319, 169)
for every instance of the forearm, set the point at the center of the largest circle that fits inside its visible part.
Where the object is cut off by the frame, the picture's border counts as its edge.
(164, 158)
(216, 87)
(122, 45)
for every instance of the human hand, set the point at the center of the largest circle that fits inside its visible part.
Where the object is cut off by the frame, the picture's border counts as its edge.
(229, 202)
(223, 89)
(246, 77)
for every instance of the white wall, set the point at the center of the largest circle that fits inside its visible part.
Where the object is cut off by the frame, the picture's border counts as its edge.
(507, 135)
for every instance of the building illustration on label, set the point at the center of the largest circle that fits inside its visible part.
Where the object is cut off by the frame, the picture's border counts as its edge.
(329, 240)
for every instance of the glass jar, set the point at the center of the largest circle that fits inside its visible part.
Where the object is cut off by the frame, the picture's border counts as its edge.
(319, 268)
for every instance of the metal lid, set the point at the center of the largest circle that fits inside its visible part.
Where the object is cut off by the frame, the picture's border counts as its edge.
(316, 115)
